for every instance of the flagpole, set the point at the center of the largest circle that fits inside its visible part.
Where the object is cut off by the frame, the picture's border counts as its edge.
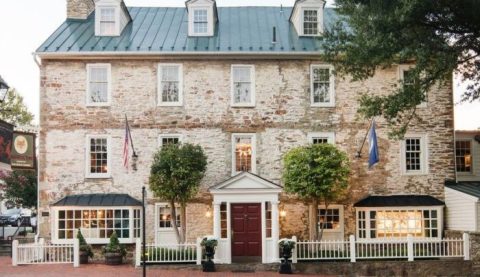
(130, 135)
(359, 152)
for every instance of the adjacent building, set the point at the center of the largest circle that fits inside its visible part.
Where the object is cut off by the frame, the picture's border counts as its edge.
(245, 83)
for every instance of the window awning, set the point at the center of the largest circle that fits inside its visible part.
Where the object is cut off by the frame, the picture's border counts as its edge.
(98, 200)
(399, 201)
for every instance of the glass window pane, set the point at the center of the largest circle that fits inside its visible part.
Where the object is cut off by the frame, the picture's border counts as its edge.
(243, 153)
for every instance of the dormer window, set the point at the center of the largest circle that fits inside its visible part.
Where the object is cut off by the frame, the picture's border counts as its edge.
(111, 17)
(310, 22)
(200, 21)
(108, 22)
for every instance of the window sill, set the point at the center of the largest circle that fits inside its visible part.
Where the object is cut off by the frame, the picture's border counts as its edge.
(94, 105)
(242, 105)
(172, 104)
(415, 173)
(327, 105)
(92, 178)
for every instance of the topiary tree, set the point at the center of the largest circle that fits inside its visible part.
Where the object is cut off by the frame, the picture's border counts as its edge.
(317, 174)
(83, 245)
(175, 176)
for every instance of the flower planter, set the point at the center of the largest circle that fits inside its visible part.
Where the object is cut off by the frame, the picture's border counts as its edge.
(113, 258)
(208, 265)
(83, 257)
(286, 246)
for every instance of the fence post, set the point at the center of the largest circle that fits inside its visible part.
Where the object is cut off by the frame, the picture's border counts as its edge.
(15, 253)
(295, 251)
(410, 247)
(466, 246)
(138, 252)
(353, 251)
(76, 253)
(199, 251)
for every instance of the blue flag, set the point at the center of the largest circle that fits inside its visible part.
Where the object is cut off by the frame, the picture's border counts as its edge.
(373, 149)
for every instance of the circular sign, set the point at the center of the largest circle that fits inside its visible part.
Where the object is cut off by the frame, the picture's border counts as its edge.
(20, 144)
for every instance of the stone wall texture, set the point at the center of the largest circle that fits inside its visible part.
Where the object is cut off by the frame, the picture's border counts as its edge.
(281, 119)
(80, 9)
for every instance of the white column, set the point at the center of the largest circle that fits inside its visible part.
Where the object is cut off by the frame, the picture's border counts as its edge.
(275, 231)
(466, 246)
(76, 253)
(138, 252)
(216, 220)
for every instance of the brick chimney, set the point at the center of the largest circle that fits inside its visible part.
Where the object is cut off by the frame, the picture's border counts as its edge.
(80, 9)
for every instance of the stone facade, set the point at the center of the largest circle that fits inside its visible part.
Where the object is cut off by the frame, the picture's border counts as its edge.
(80, 9)
(281, 120)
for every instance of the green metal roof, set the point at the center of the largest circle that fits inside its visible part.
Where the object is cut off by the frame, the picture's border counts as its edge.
(165, 30)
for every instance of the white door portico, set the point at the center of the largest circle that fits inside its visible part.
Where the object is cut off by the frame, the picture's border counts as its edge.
(252, 189)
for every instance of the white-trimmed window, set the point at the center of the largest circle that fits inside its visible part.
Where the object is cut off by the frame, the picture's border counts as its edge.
(98, 158)
(321, 137)
(322, 86)
(164, 216)
(331, 218)
(97, 224)
(98, 84)
(463, 155)
(107, 21)
(243, 153)
(406, 78)
(165, 139)
(311, 21)
(170, 85)
(398, 222)
(243, 85)
(200, 21)
(414, 154)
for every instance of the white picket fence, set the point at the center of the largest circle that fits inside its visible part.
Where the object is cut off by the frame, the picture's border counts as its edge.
(45, 253)
(403, 248)
(169, 253)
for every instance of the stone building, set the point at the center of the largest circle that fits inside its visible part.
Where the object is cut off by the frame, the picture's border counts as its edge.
(245, 83)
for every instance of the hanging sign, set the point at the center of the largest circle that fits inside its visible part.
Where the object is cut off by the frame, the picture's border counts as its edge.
(23, 150)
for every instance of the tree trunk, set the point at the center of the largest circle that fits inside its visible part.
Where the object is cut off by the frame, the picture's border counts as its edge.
(183, 221)
(322, 226)
(173, 221)
(313, 220)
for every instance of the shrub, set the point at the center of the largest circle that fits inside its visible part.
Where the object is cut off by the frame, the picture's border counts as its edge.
(114, 246)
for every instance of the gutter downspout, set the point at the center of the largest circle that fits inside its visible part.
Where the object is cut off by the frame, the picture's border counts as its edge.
(37, 162)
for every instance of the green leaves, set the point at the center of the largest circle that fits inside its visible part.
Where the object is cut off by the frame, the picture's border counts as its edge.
(20, 187)
(176, 172)
(14, 111)
(318, 171)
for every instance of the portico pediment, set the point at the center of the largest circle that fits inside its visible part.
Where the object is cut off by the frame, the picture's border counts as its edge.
(246, 182)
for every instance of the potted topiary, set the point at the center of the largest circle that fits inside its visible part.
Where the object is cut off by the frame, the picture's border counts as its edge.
(85, 249)
(209, 244)
(114, 251)
(286, 247)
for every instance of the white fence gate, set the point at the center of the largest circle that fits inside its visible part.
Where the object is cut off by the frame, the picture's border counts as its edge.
(169, 253)
(406, 248)
(45, 253)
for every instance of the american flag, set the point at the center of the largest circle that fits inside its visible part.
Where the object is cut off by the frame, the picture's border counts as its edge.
(126, 145)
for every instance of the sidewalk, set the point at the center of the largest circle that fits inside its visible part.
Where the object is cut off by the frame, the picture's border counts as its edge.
(100, 270)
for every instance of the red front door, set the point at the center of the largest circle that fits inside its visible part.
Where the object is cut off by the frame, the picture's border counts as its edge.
(246, 227)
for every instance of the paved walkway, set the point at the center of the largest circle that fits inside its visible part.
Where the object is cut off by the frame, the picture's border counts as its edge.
(101, 270)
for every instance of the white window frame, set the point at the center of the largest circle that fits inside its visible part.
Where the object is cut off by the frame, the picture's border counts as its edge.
(180, 85)
(97, 21)
(341, 221)
(162, 136)
(401, 73)
(191, 27)
(253, 137)
(330, 136)
(367, 211)
(424, 155)
(90, 175)
(252, 88)
(157, 214)
(472, 154)
(108, 67)
(319, 21)
(332, 85)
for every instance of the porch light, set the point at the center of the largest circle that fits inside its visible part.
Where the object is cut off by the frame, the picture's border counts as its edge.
(208, 213)
(3, 89)
(283, 213)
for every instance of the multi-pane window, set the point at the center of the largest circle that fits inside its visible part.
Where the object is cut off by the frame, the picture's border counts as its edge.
(414, 155)
(107, 21)
(329, 219)
(310, 22)
(98, 163)
(268, 219)
(164, 217)
(223, 220)
(98, 92)
(244, 153)
(463, 155)
(319, 140)
(322, 86)
(97, 225)
(170, 84)
(407, 78)
(398, 223)
(243, 91)
(169, 139)
(200, 21)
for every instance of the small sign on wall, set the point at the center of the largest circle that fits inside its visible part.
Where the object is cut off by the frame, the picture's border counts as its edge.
(23, 151)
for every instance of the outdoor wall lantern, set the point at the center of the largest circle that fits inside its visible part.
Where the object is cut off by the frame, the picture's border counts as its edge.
(3, 89)
(208, 213)
(283, 213)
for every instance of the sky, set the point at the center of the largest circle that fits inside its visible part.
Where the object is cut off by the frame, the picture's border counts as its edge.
(26, 24)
